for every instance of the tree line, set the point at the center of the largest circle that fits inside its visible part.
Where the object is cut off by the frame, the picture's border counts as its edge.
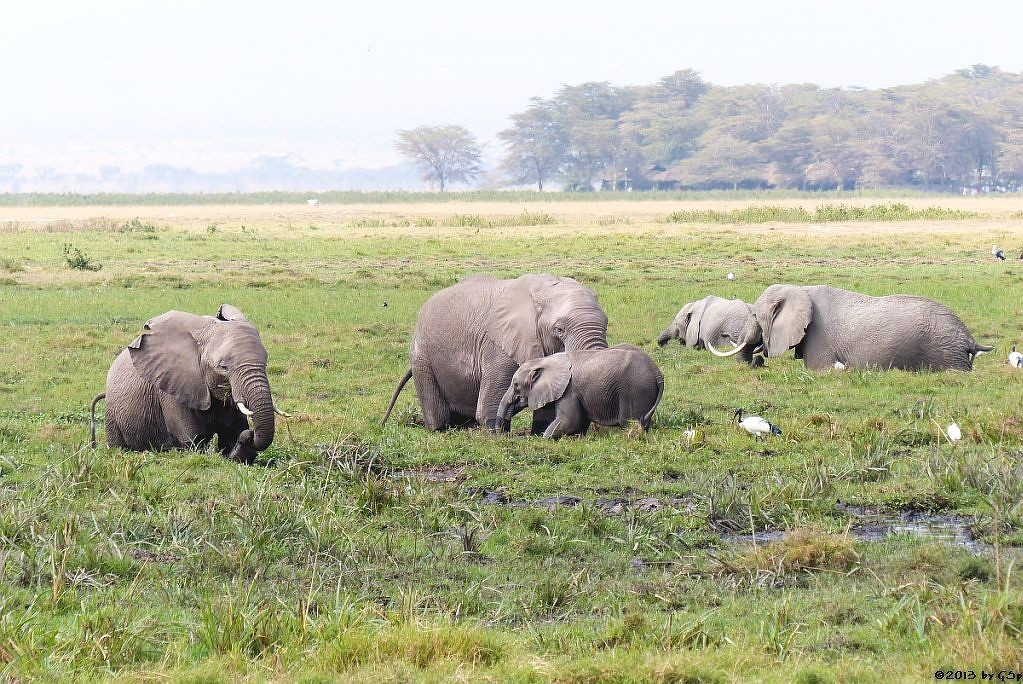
(964, 130)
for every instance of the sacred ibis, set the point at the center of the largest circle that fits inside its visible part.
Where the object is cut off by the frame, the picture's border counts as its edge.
(997, 253)
(755, 425)
(1015, 358)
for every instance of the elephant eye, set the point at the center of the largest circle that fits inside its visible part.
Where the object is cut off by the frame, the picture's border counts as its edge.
(222, 364)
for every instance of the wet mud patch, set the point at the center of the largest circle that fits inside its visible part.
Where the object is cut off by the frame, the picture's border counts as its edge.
(607, 505)
(432, 474)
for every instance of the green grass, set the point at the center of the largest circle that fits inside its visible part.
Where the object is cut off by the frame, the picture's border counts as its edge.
(352, 552)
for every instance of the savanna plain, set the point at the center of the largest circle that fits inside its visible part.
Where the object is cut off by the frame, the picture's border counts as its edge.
(862, 545)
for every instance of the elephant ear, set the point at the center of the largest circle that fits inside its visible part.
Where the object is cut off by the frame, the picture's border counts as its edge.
(513, 321)
(692, 323)
(167, 355)
(226, 312)
(549, 380)
(783, 312)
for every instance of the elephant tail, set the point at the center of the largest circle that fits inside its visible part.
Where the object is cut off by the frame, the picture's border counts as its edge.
(394, 397)
(648, 419)
(92, 418)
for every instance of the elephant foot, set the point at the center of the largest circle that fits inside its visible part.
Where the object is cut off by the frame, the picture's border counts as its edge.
(243, 453)
(757, 362)
(497, 425)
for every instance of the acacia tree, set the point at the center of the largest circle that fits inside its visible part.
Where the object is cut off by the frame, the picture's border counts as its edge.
(536, 145)
(443, 154)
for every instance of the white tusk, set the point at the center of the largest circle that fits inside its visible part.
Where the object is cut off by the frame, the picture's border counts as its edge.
(281, 413)
(735, 351)
(241, 407)
(734, 343)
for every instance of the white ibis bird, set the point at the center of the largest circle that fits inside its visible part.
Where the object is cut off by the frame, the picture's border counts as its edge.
(953, 432)
(755, 425)
(1015, 358)
(839, 365)
(731, 276)
(997, 253)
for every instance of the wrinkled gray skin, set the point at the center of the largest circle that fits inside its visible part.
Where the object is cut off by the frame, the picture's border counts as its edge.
(178, 384)
(826, 325)
(712, 320)
(471, 337)
(606, 386)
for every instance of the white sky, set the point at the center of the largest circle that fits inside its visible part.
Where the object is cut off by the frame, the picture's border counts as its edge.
(213, 83)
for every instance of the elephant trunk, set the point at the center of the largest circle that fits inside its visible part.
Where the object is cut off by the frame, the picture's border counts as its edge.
(253, 389)
(506, 409)
(587, 335)
(665, 337)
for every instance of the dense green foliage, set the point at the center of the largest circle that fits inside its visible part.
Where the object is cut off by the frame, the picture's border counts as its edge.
(355, 553)
(961, 130)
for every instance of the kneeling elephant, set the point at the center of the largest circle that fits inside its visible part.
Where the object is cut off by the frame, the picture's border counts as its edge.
(186, 379)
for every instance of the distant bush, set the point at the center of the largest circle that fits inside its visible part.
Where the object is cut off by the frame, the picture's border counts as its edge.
(75, 259)
(825, 213)
(137, 226)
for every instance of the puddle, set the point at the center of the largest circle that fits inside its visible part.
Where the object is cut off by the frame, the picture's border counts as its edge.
(870, 523)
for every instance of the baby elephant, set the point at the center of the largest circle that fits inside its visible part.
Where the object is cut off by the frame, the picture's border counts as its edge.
(605, 386)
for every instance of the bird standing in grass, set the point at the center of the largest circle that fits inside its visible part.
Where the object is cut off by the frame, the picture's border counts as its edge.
(997, 253)
(755, 425)
(1015, 358)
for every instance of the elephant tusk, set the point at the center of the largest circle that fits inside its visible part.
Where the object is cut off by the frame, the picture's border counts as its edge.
(734, 343)
(715, 352)
(281, 413)
(243, 409)
(758, 349)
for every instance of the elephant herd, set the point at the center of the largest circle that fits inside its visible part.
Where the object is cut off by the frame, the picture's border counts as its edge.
(485, 348)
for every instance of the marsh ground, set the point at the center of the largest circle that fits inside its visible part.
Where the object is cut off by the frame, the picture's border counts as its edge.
(358, 552)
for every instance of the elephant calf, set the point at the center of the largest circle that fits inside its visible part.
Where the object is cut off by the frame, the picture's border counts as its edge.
(607, 386)
(189, 378)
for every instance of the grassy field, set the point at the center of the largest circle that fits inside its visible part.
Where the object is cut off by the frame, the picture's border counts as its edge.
(351, 552)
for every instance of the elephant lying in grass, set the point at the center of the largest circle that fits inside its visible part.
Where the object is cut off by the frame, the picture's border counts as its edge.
(833, 328)
(189, 378)
(608, 387)
(471, 337)
(712, 321)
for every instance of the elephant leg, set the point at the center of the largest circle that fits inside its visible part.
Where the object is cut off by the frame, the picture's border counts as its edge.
(542, 419)
(436, 412)
(498, 369)
(570, 420)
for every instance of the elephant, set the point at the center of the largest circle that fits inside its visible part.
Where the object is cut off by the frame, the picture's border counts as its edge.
(715, 321)
(833, 328)
(471, 337)
(604, 386)
(187, 378)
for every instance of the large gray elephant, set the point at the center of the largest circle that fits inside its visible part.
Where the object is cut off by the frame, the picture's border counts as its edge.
(187, 378)
(830, 328)
(471, 337)
(603, 386)
(712, 321)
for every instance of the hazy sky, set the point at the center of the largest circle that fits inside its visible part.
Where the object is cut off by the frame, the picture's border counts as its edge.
(214, 83)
